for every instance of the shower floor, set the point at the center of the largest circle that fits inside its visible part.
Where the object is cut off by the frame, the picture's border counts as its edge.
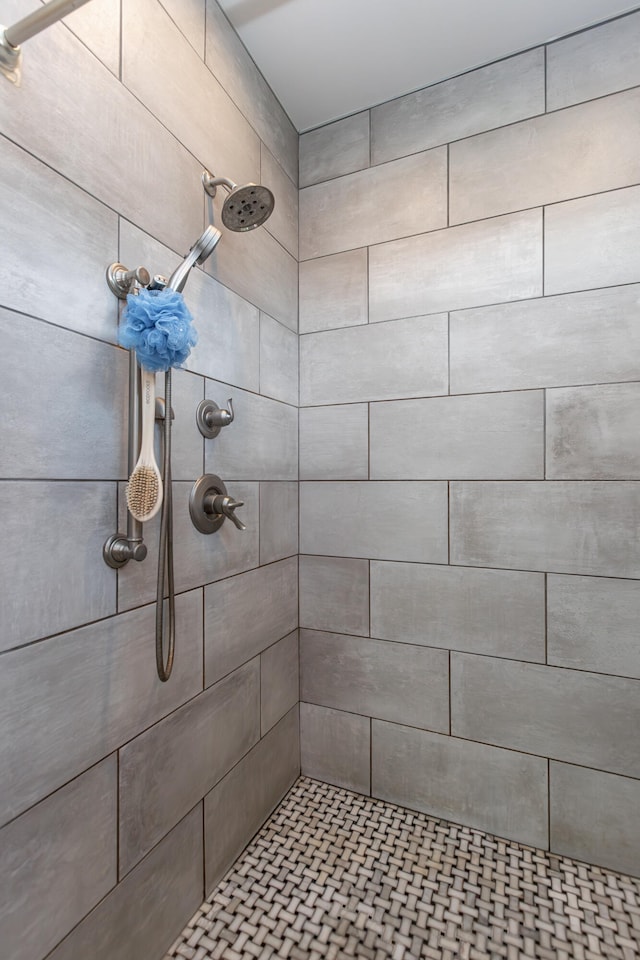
(334, 874)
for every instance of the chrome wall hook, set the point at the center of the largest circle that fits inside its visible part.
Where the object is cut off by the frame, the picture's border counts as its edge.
(211, 418)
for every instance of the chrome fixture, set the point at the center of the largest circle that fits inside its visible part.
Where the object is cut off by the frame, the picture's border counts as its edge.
(121, 280)
(120, 548)
(200, 251)
(29, 26)
(246, 207)
(210, 505)
(211, 419)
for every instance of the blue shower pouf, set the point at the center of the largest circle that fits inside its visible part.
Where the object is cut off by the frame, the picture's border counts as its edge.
(158, 326)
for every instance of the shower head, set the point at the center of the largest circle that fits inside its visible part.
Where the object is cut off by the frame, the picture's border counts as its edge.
(246, 207)
(199, 252)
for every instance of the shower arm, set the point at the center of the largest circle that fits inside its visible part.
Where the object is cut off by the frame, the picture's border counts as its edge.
(209, 182)
(11, 37)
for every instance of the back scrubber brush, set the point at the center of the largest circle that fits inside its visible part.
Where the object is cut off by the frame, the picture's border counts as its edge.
(158, 326)
(144, 489)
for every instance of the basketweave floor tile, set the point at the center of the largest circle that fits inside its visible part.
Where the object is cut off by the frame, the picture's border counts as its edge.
(333, 875)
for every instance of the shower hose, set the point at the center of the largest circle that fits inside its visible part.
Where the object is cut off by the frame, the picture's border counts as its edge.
(165, 552)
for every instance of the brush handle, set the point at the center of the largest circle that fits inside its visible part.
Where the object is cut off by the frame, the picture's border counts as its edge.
(148, 405)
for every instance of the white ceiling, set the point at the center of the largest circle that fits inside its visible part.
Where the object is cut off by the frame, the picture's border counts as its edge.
(325, 59)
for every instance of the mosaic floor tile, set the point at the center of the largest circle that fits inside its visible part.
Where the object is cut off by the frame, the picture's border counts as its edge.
(333, 874)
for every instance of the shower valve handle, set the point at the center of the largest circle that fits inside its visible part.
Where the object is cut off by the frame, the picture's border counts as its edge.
(226, 506)
(211, 419)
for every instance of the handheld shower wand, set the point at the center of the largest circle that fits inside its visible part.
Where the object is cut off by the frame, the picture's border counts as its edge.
(200, 251)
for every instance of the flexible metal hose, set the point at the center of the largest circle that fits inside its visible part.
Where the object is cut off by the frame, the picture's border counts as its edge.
(165, 551)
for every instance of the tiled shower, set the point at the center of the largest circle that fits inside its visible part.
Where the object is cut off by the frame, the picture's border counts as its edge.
(462, 429)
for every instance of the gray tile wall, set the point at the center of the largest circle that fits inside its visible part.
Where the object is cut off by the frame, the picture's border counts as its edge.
(470, 449)
(104, 768)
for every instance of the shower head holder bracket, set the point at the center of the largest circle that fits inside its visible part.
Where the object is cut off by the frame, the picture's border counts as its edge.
(121, 281)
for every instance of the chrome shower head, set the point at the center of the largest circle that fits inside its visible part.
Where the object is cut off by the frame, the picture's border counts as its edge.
(246, 207)
(199, 252)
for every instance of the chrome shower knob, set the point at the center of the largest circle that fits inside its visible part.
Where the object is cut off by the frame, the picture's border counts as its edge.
(211, 419)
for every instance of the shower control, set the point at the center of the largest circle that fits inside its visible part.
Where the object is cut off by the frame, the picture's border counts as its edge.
(121, 280)
(210, 505)
(210, 418)
(217, 504)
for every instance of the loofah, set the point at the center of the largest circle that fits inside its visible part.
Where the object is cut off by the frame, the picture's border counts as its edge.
(158, 326)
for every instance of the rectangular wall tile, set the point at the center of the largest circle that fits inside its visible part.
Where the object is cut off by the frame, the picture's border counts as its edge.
(278, 361)
(283, 222)
(53, 224)
(78, 378)
(334, 442)
(500, 791)
(199, 558)
(391, 681)
(246, 796)
(467, 266)
(333, 291)
(142, 916)
(591, 242)
(351, 365)
(592, 432)
(190, 18)
(112, 160)
(379, 520)
(233, 631)
(547, 159)
(279, 680)
(335, 149)
(233, 66)
(334, 594)
(593, 624)
(582, 718)
(169, 94)
(65, 525)
(202, 558)
(492, 96)
(67, 702)
(496, 612)
(419, 203)
(335, 747)
(261, 443)
(594, 817)
(187, 443)
(278, 521)
(228, 333)
(60, 855)
(257, 267)
(594, 62)
(167, 770)
(471, 437)
(577, 338)
(558, 526)
(98, 26)
(228, 327)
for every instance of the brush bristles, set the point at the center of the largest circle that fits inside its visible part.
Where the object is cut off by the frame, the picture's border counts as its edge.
(143, 490)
